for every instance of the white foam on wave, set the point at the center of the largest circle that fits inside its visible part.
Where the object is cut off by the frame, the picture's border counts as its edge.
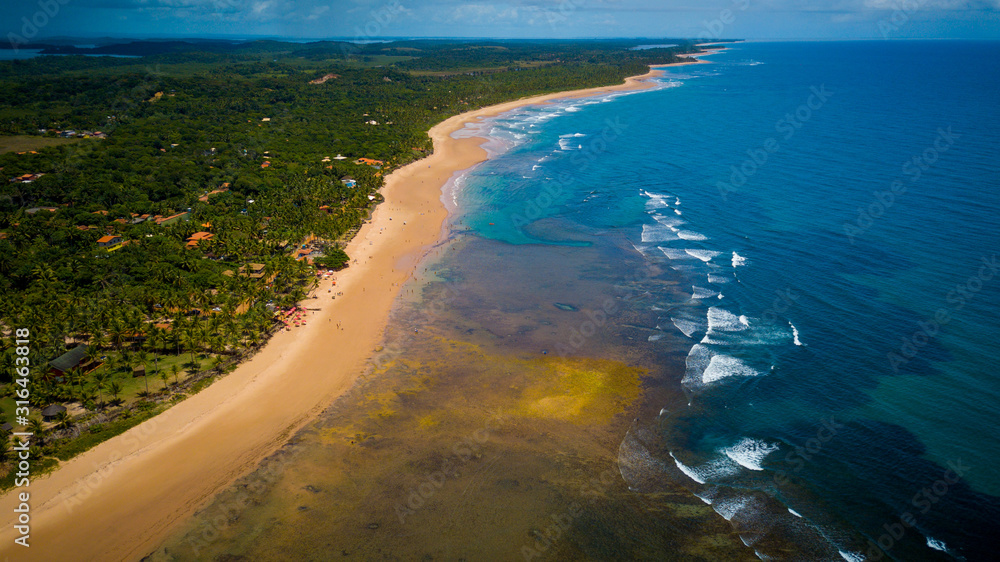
(795, 513)
(687, 326)
(728, 508)
(749, 453)
(567, 145)
(691, 235)
(704, 255)
(675, 254)
(726, 366)
(738, 260)
(687, 470)
(657, 233)
(795, 334)
(703, 293)
(721, 320)
(656, 201)
(936, 544)
(716, 279)
(696, 362)
(572, 135)
(677, 212)
(851, 556)
(655, 337)
(717, 469)
(672, 222)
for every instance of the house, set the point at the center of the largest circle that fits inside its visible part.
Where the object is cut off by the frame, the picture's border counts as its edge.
(266, 164)
(72, 359)
(52, 411)
(197, 237)
(369, 162)
(172, 218)
(26, 178)
(109, 241)
(34, 210)
(348, 181)
(253, 270)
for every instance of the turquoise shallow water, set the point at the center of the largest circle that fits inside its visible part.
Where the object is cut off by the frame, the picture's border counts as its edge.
(833, 210)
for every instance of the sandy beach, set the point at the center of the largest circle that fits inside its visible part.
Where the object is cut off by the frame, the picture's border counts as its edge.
(119, 500)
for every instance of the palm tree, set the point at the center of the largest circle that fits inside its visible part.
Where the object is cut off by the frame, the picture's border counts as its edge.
(118, 334)
(191, 341)
(143, 357)
(175, 370)
(37, 429)
(115, 388)
(75, 376)
(163, 377)
(100, 378)
(64, 420)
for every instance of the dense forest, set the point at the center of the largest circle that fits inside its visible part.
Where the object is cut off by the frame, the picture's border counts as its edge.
(248, 149)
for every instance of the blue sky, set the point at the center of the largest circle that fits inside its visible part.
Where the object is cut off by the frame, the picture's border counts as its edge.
(376, 19)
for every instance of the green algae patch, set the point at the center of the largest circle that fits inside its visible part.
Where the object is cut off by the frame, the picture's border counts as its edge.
(583, 391)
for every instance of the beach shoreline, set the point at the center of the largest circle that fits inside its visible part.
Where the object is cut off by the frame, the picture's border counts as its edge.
(169, 466)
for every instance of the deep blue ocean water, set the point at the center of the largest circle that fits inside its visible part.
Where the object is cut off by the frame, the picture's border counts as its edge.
(834, 209)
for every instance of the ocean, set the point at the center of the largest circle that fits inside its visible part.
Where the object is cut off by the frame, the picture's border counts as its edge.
(747, 314)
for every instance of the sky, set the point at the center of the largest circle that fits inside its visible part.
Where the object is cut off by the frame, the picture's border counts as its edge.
(381, 19)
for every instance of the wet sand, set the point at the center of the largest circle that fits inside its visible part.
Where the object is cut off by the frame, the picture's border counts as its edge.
(123, 497)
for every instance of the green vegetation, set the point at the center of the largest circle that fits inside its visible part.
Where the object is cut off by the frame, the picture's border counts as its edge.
(167, 243)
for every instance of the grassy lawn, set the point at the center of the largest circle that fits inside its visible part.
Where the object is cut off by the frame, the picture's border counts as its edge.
(132, 386)
(23, 143)
(7, 403)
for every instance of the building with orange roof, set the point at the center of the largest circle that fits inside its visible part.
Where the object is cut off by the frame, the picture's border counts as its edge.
(109, 241)
(197, 237)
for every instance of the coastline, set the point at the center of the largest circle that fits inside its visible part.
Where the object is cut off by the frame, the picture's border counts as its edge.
(169, 466)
